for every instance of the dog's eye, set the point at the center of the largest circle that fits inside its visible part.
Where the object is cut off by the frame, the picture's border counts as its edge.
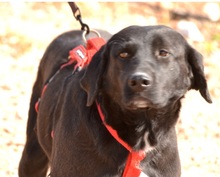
(163, 53)
(124, 55)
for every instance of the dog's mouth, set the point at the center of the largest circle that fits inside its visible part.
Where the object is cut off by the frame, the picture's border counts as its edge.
(138, 104)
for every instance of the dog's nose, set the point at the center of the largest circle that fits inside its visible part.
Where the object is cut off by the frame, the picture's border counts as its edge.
(139, 82)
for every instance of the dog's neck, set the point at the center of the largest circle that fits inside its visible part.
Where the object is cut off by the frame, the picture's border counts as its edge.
(141, 129)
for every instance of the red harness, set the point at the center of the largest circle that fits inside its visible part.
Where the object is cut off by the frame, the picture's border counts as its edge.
(82, 57)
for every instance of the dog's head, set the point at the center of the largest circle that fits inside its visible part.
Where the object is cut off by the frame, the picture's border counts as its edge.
(142, 67)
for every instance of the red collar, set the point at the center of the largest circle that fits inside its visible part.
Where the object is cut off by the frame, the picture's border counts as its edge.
(132, 168)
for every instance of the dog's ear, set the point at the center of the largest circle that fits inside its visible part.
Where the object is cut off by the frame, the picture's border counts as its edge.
(195, 60)
(91, 81)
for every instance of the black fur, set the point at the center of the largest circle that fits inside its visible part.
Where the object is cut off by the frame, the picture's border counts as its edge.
(138, 78)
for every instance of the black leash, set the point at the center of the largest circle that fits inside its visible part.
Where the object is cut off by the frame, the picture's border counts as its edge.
(78, 17)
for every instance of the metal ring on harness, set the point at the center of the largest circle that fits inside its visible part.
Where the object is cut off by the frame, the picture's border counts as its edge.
(91, 31)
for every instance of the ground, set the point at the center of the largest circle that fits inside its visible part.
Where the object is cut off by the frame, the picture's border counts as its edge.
(26, 30)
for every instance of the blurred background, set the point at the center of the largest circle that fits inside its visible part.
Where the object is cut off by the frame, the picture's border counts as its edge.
(27, 28)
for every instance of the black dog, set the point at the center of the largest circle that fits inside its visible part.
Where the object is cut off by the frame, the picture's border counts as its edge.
(138, 78)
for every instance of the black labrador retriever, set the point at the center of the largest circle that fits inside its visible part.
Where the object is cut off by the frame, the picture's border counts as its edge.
(139, 78)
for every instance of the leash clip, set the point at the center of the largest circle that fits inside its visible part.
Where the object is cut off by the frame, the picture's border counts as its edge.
(77, 14)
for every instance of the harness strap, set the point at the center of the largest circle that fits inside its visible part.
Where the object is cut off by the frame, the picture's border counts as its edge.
(132, 168)
(111, 130)
(93, 46)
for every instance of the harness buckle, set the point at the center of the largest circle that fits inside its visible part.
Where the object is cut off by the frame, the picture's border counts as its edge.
(78, 54)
